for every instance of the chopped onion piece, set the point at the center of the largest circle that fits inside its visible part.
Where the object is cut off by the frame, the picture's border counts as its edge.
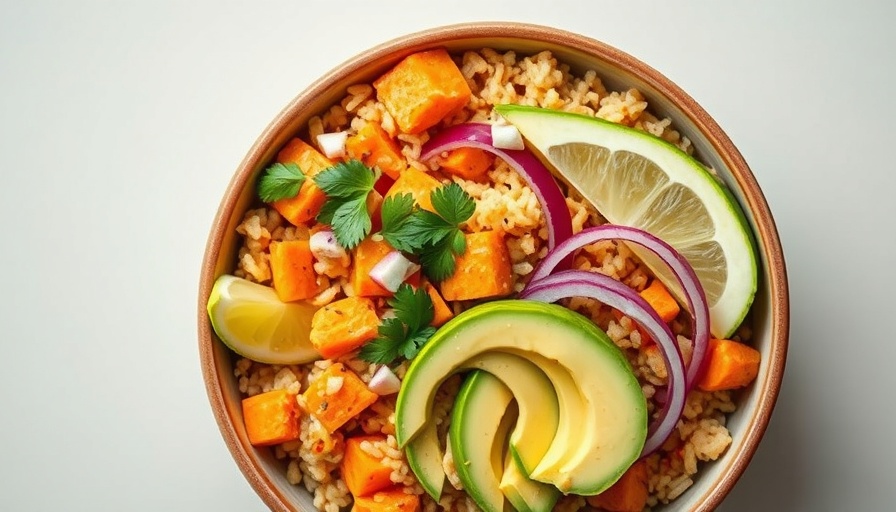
(677, 264)
(384, 382)
(332, 144)
(323, 244)
(580, 283)
(507, 136)
(393, 270)
(539, 178)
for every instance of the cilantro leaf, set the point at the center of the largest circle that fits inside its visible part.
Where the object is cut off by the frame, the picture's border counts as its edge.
(346, 180)
(413, 307)
(399, 227)
(387, 346)
(453, 204)
(280, 181)
(346, 185)
(351, 221)
(404, 334)
(438, 259)
(416, 341)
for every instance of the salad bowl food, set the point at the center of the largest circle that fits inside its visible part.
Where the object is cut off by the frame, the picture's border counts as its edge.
(493, 266)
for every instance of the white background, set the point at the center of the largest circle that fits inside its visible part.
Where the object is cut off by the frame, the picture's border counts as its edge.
(122, 122)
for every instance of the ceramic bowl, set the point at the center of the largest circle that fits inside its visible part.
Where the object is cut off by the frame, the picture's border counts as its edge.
(618, 70)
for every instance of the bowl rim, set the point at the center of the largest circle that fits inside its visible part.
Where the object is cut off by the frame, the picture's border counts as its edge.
(768, 239)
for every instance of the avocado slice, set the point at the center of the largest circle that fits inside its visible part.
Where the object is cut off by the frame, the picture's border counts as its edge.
(606, 430)
(539, 410)
(534, 429)
(425, 454)
(478, 434)
(523, 493)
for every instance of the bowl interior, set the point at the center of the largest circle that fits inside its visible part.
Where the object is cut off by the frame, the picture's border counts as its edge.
(770, 317)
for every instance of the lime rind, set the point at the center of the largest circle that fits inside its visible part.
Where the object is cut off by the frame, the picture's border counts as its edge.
(545, 129)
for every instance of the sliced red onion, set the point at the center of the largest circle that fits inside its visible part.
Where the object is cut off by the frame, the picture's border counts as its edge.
(684, 273)
(393, 270)
(323, 244)
(580, 283)
(384, 382)
(539, 178)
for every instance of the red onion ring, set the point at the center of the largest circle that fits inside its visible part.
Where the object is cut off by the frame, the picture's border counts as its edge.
(684, 273)
(539, 178)
(580, 283)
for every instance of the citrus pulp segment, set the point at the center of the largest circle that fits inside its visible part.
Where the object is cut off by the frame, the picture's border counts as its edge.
(250, 319)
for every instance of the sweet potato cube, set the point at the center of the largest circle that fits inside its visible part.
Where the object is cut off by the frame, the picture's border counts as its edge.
(363, 473)
(729, 365)
(307, 203)
(482, 271)
(659, 298)
(417, 183)
(271, 418)
(365, 256)
(343, 325)
(292, 270)
(423, 89)
(467, 163)
(441, 312)
(628, 494)
(337, 396)
(393, 499)
(373, 146)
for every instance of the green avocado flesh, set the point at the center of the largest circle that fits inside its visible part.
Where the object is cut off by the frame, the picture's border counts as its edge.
(476, 437)
(601, 421)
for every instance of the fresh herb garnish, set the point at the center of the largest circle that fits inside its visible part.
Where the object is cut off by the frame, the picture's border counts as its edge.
(346, 185)
(435, 237)
(403, 334)
(280, 181)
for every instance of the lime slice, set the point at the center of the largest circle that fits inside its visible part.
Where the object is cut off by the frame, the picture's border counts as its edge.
(251, 320)
(639, 180)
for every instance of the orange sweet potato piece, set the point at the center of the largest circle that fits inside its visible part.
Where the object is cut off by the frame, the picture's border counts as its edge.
(628, 494)
(363, 473)
(373, 146)
(417, 183)
(307, 203)
(292, 270)
(467, 163)
(482, 271)
(365, 256)
(422, 89)
(659, 298)
(390, 500)
(271, 418)
(337, 396)
(343, 325)
(441, 312)
(729, 365)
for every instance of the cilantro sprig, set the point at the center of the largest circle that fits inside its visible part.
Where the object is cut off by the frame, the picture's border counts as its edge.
(346, 185)
(280, 181)
(404, 334)
(436, 238)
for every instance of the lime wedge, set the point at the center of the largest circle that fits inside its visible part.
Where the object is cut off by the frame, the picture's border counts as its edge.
(250, 319)
(639, 180)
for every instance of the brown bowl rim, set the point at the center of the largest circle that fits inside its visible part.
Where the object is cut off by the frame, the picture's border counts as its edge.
(753, 196)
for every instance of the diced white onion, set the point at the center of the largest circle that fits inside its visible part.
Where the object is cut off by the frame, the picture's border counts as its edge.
(384, 382)
(323, 244)
(332, 144)
(507, 136)
(393, 270)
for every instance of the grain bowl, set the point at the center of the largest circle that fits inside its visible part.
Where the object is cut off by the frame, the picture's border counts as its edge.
(484, 221)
